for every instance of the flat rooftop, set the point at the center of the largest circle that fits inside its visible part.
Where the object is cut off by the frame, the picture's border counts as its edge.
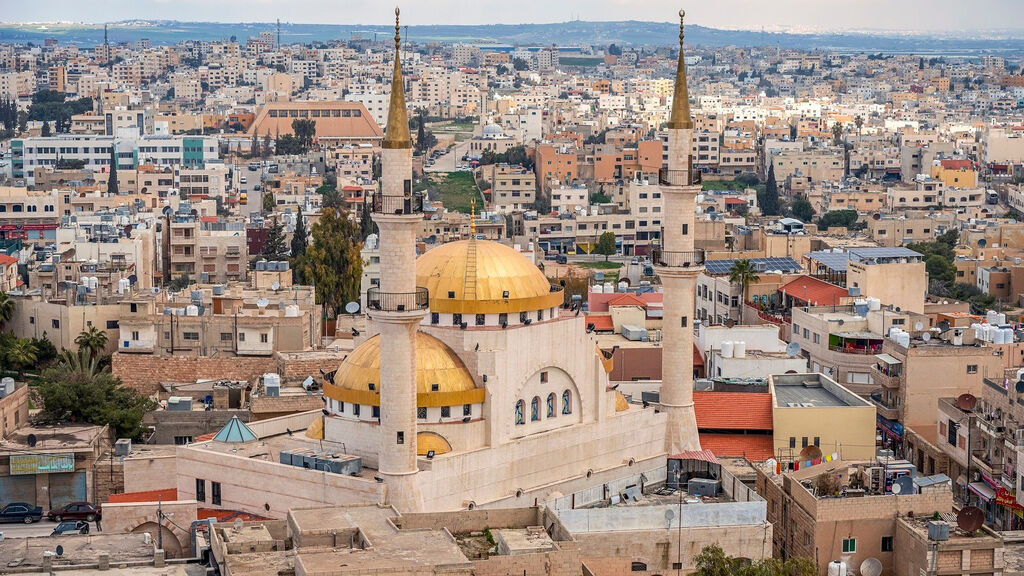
(28, 552)
(812, 390)
(269, 448)
(65, 437)
(797, 394)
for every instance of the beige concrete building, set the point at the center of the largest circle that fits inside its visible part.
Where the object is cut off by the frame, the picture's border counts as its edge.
(205, 251)
(512, 187)
(812, 410)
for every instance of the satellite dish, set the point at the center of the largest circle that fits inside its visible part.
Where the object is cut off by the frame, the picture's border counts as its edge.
(167, 210)
(876, 216)
(841, 321)
(792, 349)
(32, 440)
(918, 326)
(262, 303)
(905, 485)
(970, 518)
(982, 242)
(275, 286)
(926, 336)
(670, 515)
(966, 402)
(59, 550)
(897, 488)
(810, 453)
(1020, 387)
(352, 307)
(943, 326)
(871, 567)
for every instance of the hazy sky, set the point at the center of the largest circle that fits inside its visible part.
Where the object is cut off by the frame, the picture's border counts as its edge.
(945, 15)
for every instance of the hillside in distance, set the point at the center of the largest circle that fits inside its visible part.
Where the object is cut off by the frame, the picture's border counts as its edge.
(563, 34)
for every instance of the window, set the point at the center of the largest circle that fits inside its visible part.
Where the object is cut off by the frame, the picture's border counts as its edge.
(55, 323)
(456, 319)
(543, 377)
(566, 402)
(480, 319)
(817, 338)
(435, 318)
(112, 324)
(241, 336)
(182, 440)
(817, 441)
(225, 336)
(215, 493)
(951, 433)
(421, 413)
(972, 368)
(550, 407)
(200, 490)
(446, 411)
(135, 334)
(355, 409)
(519, 417)
(264, 337)
(803, 442)
(535, 409)
(849, 545)
(792, 441)
(375, 412)
(467, 409)
(886, 543)
(190, 336)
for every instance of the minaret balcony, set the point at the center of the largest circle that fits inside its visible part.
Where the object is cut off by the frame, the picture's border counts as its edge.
(686, 259)
(399, 204)
(397, 301)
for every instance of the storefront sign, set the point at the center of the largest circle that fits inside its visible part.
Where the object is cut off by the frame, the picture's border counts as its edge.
(890, 427)
(42, 463)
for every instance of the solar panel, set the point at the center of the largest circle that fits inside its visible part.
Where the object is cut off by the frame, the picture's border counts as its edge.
(721, 267)
(883, 252)
(836, 261)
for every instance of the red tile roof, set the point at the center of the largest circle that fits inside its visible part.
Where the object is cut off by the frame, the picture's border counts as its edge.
(736, 201)
(627, 299)
(165, 494)
(733, 410)
(753, 447)
(7, 260)
(598, 301)
(697, 359)
(228, 515)
(702, 455)
(956, 164)
(602, 323)
(810, 289)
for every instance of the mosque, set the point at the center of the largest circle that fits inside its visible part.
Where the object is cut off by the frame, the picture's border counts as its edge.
(475, 386)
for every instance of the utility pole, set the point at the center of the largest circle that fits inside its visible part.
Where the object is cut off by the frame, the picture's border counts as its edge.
(159, 523)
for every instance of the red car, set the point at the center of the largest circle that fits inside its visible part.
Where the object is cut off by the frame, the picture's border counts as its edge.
(75, 511)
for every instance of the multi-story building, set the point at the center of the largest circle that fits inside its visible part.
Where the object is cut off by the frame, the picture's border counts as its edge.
(512, 187)
(205, 251)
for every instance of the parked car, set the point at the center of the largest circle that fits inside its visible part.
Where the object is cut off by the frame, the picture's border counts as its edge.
(21, 512)
(75, 511)
(74, 527)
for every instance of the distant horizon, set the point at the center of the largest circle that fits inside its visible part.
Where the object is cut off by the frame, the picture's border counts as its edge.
(945, 17)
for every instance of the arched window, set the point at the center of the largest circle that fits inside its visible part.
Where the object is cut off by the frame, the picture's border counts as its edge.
(520, 409)
(551, 405)
(535, 409)
(566, 402)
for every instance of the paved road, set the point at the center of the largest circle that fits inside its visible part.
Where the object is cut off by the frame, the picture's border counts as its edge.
(29, 530)
(252, 178)
(448, 162)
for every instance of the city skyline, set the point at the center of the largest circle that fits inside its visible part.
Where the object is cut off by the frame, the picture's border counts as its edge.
(944, 16)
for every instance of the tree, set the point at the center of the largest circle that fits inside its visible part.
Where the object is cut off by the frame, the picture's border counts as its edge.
(614, 50)
(20, 355)
(606, 245)
(743, 274)
(837, 134)
(802, 209)
(77, 390)
(275, 248)
(366, 224)
(768, 199)
(488, 157)
(45, 131)
(269, 204)
(712, 561)
(112, 181)
(332, 261)
(92, 340)
(520, 64)
(288, 145)
(305, 132)
(299, 236)
(180, 283)
(254, 146)
(838, 218)
(330, 197)
(6, 308)
(859, 121)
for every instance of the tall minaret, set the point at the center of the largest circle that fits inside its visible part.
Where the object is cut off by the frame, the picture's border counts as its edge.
(398, 306)
(678, 268)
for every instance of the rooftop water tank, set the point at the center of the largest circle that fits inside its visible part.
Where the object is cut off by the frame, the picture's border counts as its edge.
(728, 349)
(739, 349)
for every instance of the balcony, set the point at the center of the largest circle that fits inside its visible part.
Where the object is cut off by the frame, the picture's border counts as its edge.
(892, 381)
(397, 301)
(887, 409)
(686, 259)
(404, 204)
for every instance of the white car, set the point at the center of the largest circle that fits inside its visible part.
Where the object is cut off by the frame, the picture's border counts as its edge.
(242, 180)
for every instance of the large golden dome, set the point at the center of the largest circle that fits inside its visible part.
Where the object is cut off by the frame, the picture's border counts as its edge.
(441, 377)
(483, 277)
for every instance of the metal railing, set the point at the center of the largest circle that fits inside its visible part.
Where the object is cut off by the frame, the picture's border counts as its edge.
(397, 301)
(869, 351)
(689, 258)
(404, 204)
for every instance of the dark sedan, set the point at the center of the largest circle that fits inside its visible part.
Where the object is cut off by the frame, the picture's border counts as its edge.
(75, 511)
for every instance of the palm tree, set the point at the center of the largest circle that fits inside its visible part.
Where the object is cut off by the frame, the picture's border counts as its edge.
(20, 355)
(94, 340)
(743, 273)
(6, 308)
(75, 365)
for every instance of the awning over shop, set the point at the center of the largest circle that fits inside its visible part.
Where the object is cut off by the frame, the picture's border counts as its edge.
(983, 490)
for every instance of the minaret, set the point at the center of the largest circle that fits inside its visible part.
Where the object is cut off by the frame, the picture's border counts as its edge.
(678, 266)
(398, 306)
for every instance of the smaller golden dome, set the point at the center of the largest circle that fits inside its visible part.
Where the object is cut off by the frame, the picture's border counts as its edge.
(441, 377)
(427, 441)
(316, 429)
(621, 404)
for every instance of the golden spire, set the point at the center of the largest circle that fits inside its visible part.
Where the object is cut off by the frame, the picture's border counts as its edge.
(472, 218)
(680, 117)
(397, 135)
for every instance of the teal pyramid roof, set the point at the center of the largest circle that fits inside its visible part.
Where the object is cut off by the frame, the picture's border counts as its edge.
(235, 432)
